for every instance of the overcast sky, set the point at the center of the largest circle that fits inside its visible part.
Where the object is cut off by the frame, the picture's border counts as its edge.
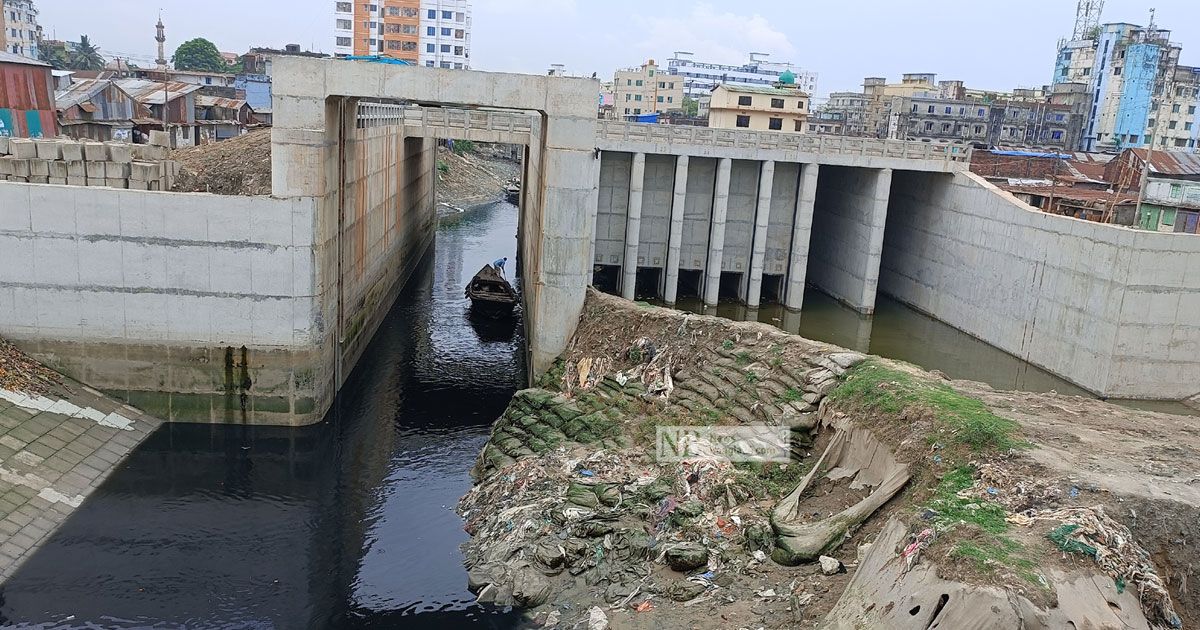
(989, 45)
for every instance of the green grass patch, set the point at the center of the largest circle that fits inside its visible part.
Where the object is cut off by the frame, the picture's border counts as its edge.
(727, 344)
(751, 377)
(791, 395)
(1003, 552)
(952, 510)
(743, 358)
(891, 391)
(770, 480)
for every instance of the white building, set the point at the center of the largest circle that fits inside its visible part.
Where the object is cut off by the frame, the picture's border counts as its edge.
(21, 30)
(445, 30)
(699, 78)
(343, 33)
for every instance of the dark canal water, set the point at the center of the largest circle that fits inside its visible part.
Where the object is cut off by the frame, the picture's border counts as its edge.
(346, 524)
(350, 524)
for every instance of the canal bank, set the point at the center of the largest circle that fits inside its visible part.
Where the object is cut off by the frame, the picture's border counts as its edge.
(348, 523)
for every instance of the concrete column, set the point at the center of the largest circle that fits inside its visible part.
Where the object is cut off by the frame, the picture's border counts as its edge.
(675, 240)
(878, 221)
(762, 216)
(716, 237)
(633, 224)
(806, 198)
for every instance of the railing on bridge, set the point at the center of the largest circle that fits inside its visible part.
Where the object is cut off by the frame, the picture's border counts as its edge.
(467, 119)
(766, 140)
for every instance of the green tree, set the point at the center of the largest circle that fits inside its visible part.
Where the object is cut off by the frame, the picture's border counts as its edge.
(56, 56)
(691, 106)
(198, 54)
(86, 56)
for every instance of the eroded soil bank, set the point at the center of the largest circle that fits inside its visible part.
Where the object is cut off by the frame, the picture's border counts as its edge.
(907, 500)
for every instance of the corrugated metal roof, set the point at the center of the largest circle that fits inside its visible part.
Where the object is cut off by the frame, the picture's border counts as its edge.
(152, 92)
(1171, 162)
(7, 57)
(80, 91)
(204, 100)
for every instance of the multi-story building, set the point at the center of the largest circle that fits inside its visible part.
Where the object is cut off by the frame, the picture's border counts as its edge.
(850, 110)
(21, 30)
(779, 107)
(699, 78)
(1139, 93)
(646, 89)
(434, 33)
(446, 34)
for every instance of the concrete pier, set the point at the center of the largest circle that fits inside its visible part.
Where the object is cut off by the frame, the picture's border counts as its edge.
(716, 239)
(762, 215)
(801, 233)
(633, 225)
(675, 240)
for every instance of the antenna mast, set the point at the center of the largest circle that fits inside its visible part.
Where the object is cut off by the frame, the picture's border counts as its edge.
(1087, 18)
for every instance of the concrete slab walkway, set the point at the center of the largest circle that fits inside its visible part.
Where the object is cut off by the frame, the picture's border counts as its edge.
(55, 449)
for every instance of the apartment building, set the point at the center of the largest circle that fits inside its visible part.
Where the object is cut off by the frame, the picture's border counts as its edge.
(434, 33)
(846, 113)
(21, 30)
(779, 107)
(699, 77)
(1139, 92)
(646, 89)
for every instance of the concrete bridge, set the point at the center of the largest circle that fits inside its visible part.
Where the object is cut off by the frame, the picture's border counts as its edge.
(256, 309)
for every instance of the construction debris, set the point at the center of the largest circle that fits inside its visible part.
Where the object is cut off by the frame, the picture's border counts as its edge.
(19, 373)
(237, 166)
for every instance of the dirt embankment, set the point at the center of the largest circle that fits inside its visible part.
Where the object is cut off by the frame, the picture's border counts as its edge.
(474, 177)
(906, 501)
(237, 166)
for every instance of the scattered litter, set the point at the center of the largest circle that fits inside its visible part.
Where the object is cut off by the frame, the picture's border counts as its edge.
(587, 473)
(644, 606)
(920, 542)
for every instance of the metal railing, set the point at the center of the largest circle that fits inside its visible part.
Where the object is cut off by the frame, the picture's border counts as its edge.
(618, 130)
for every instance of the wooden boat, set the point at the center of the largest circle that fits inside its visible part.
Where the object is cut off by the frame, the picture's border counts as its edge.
(490, 293)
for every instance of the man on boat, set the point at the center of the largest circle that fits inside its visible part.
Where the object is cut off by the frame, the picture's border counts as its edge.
(499, 265)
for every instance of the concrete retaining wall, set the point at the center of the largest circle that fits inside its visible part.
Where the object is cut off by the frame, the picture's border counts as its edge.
(783, 212)
(697, 213)
(656, 210)
(191, 306)
(739, 220)
(1109, 308)
(612, 208)
(847, 234)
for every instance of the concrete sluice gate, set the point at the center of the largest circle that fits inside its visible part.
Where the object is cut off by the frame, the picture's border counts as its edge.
(198, 307)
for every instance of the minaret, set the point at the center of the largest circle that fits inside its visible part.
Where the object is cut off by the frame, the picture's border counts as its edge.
(161, 38)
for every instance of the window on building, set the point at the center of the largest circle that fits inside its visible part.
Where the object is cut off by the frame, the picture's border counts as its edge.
(393, 44)
(1116, 71)
(430, 48)
(949, 110)
(1187, 126)
(459, 33)
(447, 15)
(775, 124)
(445, 48)
(344, 7)
(777, 103)
(628, 82)
(1175, 108)
(637, 110)
(445, 64)
(1150, 124)
(743, 121)
(638, 82)
(446, 32)
(409, 12)
(432, 14)
(629, 97)
(391, 29)
(1056, 135)
(1133, 139)
(637, 97)
(1087, 71)
(745, 101)
(409, 47)
(343, 41)
(978, 129)
(945, 127)
(1181, 142)
(345, 24)
(800, 125)
(928, 126)
(962, 111)
(1176, 191)
(626, 110)
(671, 85)
(914, 108)
(408, 29)
(458, 66)
(428, 64)
(670, 99)
(1171, 124)
(393, 11)
(1168, 216)
(458, 50)
(431, 31)
(460, 17)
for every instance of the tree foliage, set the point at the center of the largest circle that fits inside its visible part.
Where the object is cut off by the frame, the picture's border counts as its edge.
(198, 54)
(86, 56)
(691, 106)
(56, 56)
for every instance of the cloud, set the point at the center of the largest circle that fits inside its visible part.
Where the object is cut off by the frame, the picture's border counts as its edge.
(714, 36)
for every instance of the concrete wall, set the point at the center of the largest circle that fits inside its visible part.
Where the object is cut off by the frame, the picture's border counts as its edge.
(739, 221)
(784, 189)
(656, 210)
(191, 306)
(847, 234)
(697, 213)
(1109, 308)
(612, 207)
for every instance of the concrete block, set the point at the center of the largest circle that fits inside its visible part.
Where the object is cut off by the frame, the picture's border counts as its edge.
(119, 152)
(48, 149)
(58, 168)
(71, 151)
(94, 170)
(95, 151)
(149, 152)
(14, 208)
(23, 148)
(116, 182)
(144, 171)
(137, 185)
(38, 179)
(5, 166)
(160, 138)
(61, 181)
(116, 170)
(76, 168)
(3, 145)
(39, 168)
(74, 180)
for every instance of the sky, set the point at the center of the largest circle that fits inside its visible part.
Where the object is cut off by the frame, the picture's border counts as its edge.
(989, 45)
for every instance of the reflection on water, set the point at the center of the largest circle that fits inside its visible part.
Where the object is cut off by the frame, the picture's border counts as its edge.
(349, 523)
(899, 332)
